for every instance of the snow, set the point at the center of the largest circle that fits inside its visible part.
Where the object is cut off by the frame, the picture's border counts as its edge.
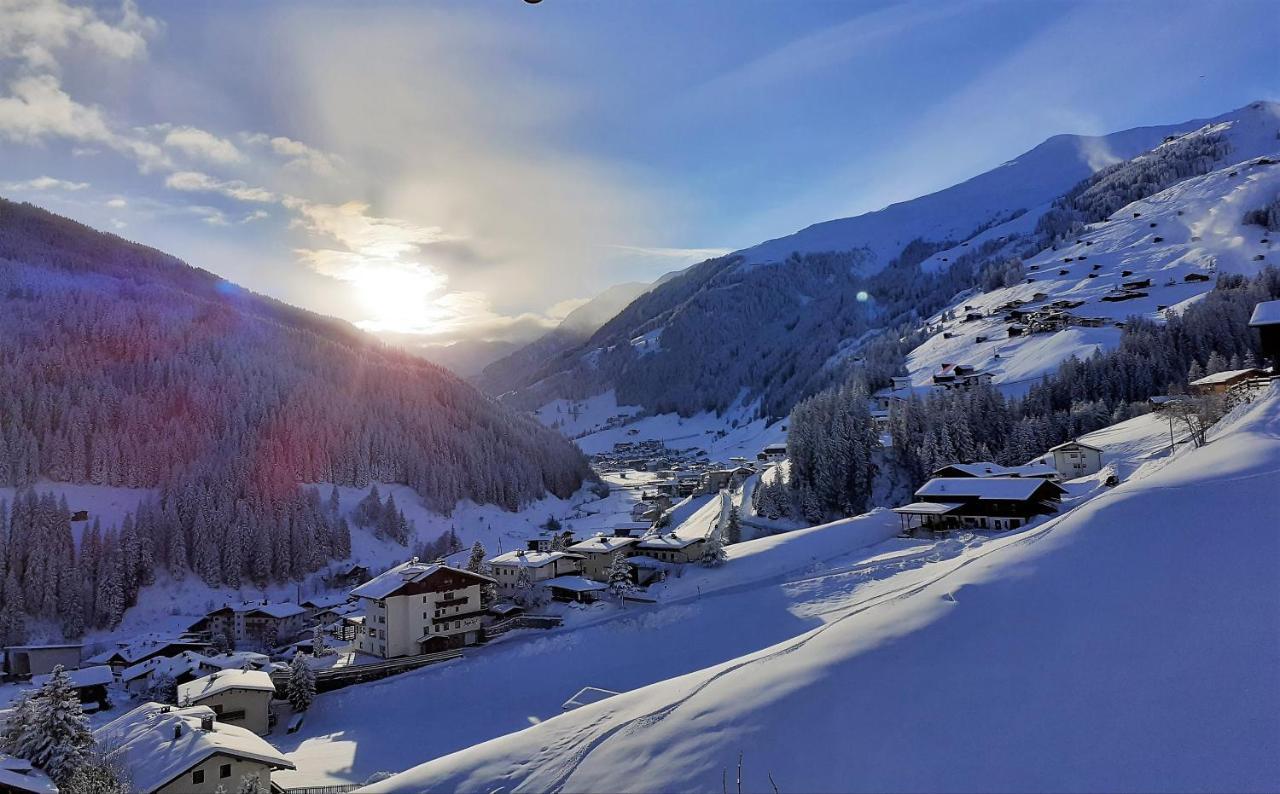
(223, 681)
(18, 774)
(1129, 644)
(1016, 488)
(1267, 313)
(577, 584)
(142, 741)
(530, 559)
(98, 675)
(1222, 377)
(103, 502)
(387, 583)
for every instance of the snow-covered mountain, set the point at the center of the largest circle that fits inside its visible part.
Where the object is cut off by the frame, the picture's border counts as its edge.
(768, 325)
(1128, 645)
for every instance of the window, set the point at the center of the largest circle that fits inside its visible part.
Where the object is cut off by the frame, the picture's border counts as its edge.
(197, 777)
(224, 770)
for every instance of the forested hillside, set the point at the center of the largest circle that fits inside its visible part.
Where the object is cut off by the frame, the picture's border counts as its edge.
(122, 366)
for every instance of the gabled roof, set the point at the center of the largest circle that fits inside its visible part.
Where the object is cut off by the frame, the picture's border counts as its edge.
(1266, 313)
(99, 675)
(947, 489)
(326, 601)
(989, 469)
(532, 559)
(1074, 444)
(156, 743)
(602, 544)
(1223, 377)
(387, 583)
(19, 775)
(928, 508)
(216, 683)
(236, 661)
(576, 584)
(666, 542)
(173, 666)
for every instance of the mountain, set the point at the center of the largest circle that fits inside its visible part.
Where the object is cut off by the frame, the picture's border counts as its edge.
(770, 324)
(468, 357)
(125, 367)
(1127, 645)
(515, 368)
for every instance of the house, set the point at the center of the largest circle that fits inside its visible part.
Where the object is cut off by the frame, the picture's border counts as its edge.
(597, 554)
(319, 605)
(537, 567)
(716, 480)
(670, 548)
(645, 570)
(688, 484)
(548, 540)
(182, 668)
(26, 660)
(169, 750)
(255, 624)
(18, 776)
(90, 683)
(773, 453)
(989, 469)
(1075, 459)
(631, 529)
(1266, 318)
(1190, 277)
(237, 697)
(882, 399)
(347, 577)
(235, 660)
(127, 654)
(1136, 284)
(417, 608)
(999, 503)
(880, 420)
(574, 588)
(1221, 382)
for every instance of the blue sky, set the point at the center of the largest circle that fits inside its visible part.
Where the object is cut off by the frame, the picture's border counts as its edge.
(448, 170)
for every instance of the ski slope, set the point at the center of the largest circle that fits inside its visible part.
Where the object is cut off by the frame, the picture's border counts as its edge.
(1131, 644)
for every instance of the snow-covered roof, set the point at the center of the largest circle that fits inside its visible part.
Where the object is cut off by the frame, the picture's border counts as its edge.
(1018, 488)
(326, 601)
(236, 661)
(577, 584)
(387, 583)
(283, 610)
(173, 666)
(532, 559)
(156, 743)
(143, 647)
(989, 469)
(666, 542)
(98, 675)
(18, 774)
(1069, 444)
(641, 561)
(1266, 313)
(928, 508)
(222, 681)
(1223, 377)
(602, 544)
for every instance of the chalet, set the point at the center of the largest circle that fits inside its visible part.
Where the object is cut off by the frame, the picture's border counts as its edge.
(671, 548)
(901, 382)
(325, 608)
(1076, 459)
(237, 697)
(688, 484)
(716, 480)
(167, 750)
(1116, 296)
(18, 776)
(254, 624)
(597, 554)
(90, 684)
(1138, 283)
(26, 660)
(235, 660)
(348, 577)
(989, 469)
(1266, 318)
(970, 317)
(548, 540)
(1221, 382)
(1017, 330)
(574, 588)
(773, 453)
(536, 566)
(886, 397)
(1196, 277)
(180, 669)
(419, 608)
(880, 420)
(631, 529)
(1000, 503)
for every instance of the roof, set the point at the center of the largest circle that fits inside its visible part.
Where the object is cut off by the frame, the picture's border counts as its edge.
(1015, 488)
(1266, 313)
(577, 584)
(1080, 444)
(532, 559)
(143, 742)
(586, 696)
(1223, 377)
(388, 582)
(283, 610)
(602, 544)
(236, 661)
(99, 675)
(326, 601)
(928, 508)
(989, 469)
(143, 647)
(18, 774)
(222, 681)
(505, 608)
(668, 542)
(172, 666)
(641, 561)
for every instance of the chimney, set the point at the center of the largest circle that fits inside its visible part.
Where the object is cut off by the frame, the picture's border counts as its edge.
(206, 723)
(177, 731)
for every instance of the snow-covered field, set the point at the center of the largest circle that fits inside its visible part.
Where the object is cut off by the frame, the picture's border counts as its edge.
(1130, 644)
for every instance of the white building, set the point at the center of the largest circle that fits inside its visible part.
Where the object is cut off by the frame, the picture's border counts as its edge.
(238, 697)
(1075, 459)
(538, 566)
(168, 749)
(417, 608)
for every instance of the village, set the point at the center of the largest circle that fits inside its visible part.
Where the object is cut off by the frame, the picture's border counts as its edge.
(209, 705)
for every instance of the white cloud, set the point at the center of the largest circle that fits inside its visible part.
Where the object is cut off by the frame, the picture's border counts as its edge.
(202, 145)
(365, 234)
(117, 203)
(296, 153)
(256, 215)
(38, 108)
(197, 182)
(684, 254)
(34, 32)
(45, 183)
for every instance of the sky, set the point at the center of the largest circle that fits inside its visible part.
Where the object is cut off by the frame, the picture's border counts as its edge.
(467, 170)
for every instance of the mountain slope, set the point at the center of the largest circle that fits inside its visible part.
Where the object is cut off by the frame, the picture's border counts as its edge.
(1128, 645)
(770, 323)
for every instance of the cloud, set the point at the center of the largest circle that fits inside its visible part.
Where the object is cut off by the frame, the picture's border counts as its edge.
(38, 108)
(117, 203)
(296, 154)
(686, 254)
(44, 183)
(365, 234)
(197, 182)
(34, 32)
(202, 145)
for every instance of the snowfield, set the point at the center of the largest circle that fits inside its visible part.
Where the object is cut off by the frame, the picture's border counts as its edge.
(1130, 644)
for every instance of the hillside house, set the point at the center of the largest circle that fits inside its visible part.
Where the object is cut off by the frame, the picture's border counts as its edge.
(773, 453)
(999, 503)
(632, 529)
(1221, 382)
(716, 480)
(574, 589)
(90, 684)
(169, 750)
(184, 667)
(348, 577)
(21, 661)
(882, 399)
(419, 608)
(237, 697)
(548, 540)
(127, 654)
(988, 469)
(1076, 459)
(1266, 318)
(597, 554)
(316, 606)
(255, 624)
(670, 548)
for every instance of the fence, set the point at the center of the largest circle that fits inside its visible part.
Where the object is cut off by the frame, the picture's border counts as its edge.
(336, 788)
(339, 677)
(501, 627)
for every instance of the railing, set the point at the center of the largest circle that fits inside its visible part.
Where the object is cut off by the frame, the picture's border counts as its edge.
(336, 788)
(339, 677)
(501, 627)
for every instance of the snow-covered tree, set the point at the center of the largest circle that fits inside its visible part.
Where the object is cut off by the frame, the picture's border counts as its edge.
(733, 528)
(619, 576)
(54, 734)
(97, 775)
(713, 553)
(319, 645)
(478, 554)
(300, 689)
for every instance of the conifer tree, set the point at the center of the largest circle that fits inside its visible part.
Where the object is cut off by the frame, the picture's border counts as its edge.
(301, 687)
